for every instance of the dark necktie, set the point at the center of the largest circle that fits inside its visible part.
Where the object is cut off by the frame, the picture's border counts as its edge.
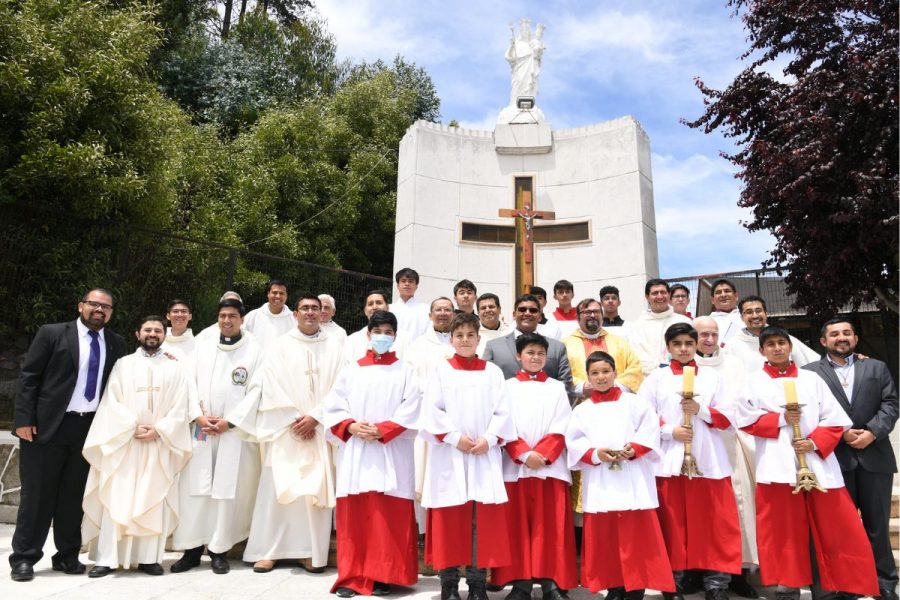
(90, 389)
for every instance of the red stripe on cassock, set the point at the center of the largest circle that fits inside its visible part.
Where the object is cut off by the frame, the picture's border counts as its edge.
(342, 429)
(440, 436)
(624, 548)
(843, 552)
(719, 421)
(376, 541)
(588, 457)
(551, 446)
(389, 430)
(448, 536)
(826, 439)
(543, 533)
(516, 448)
(765, 427)
(689, 509)
(639, 450)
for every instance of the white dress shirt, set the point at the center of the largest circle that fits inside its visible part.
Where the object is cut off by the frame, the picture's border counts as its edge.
(78, 403)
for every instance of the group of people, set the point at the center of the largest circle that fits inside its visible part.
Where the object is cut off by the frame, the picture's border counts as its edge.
(675, 446)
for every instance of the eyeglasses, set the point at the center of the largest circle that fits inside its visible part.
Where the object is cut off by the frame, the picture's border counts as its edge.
(679, 297)
(590, 312)
(754, 311)
(99, 305)
(528, 309)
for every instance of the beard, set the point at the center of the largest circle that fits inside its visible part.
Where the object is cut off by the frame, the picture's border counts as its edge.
(151, 344)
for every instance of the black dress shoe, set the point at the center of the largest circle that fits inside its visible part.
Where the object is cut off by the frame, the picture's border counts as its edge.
(740, 586)
(517, 594)
(691, 582)
(381, 589)
(100, 571)
(888, 594)
(69, 566)
(344, 592)
(477, 592)
(151, 568)
(634, 595)
(188, 561)
(616, 593)
(220, 564)
(717, 594)
(450, 591)
(555, 594)
(22, 571)
(673, 596)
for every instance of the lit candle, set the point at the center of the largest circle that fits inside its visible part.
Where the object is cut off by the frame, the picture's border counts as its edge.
(688, 380)
(790, 392)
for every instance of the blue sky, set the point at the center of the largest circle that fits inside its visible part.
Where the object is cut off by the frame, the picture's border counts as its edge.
(604, 59)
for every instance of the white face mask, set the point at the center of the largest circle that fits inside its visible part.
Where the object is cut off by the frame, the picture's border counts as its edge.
(381, 342)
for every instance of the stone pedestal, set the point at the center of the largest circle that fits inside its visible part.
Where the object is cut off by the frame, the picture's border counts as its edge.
(599, 175)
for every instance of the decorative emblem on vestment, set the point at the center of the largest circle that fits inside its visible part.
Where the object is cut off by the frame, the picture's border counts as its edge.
(239, 376)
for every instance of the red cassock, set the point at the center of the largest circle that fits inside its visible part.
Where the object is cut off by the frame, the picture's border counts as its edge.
(448, 538)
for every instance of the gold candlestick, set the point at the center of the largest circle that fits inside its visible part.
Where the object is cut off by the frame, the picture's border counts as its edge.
(806, 479)
(689, 466)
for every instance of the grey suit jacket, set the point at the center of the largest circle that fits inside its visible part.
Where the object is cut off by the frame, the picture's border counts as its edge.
(874, 408)
(502, 352)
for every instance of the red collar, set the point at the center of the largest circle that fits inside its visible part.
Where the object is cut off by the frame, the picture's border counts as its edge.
(678, 368)
(388, 358)
(525, 376)
(569, 315)
(609, 395)
(774, 373)
(473, 363)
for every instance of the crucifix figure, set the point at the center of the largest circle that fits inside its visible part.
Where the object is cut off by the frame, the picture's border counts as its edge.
(149, 389)
(525, 215)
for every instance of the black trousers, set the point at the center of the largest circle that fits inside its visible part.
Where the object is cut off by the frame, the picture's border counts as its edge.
(53, 476)
(871, 492)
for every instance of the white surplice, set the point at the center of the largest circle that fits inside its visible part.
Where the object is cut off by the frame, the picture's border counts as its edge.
(776, 461)
(375, 393)
(185, 343)
(267, 327)
(217, 490)
(612, 424)
(460, 402)
(131, 497)
(412, 318)
(491, 334)
(647, 337)
(295, 497)
(729, 324)
(745, 346)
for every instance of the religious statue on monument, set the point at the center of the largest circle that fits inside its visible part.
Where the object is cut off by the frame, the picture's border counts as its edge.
(524, 57)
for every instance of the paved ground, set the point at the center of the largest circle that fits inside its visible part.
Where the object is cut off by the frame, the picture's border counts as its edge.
(200, 584)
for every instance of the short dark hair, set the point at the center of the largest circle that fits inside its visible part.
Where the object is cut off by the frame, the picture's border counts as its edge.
(526, 339)
(487, 296)
(679, 286)
(381, 293)
(102, 291)
(273, 282)
(464, 284)
(584, 304)
(232, 303)
(680, 329)
(771, 331)
(721, 281)
(839, 319)
(652, 283)
(463, 320)
(431, 306)
(306, 296)
(537, 290)
(382, 317)
(609, 289)
(599, 356)
(175, 302)
(751, 298)
(406, 272)
(149, 318)
(563, 285)
(526, 298)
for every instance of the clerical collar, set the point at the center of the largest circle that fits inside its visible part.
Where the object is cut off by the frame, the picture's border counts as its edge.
(610, 395)
(774, 372)
(705, 355)
(678, 368)
(467, 363)
(491, 329)
(229, 341)
(313, 336)
(524, 375)
(616, 322)
(591, 336)
(388, 358)
(442, 336)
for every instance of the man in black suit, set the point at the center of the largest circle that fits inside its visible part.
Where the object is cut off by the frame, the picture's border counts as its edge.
(59, 389)
(865, 390)
(502, 351)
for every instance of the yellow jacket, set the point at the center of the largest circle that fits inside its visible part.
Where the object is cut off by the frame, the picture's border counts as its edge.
(628, 365)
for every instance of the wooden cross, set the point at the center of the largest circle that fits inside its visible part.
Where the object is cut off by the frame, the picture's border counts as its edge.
(525, 216)
(149, 389)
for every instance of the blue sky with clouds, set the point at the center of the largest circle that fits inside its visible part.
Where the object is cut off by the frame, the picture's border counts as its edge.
(604, 59)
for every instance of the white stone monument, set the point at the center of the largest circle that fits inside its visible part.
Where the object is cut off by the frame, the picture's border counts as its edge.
(497, 207)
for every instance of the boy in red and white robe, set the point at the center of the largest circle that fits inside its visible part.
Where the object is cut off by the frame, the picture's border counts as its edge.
(623, 550)
(373, 410)
(466, 420)
(784, 518)
(537, 480)
(698, 514)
